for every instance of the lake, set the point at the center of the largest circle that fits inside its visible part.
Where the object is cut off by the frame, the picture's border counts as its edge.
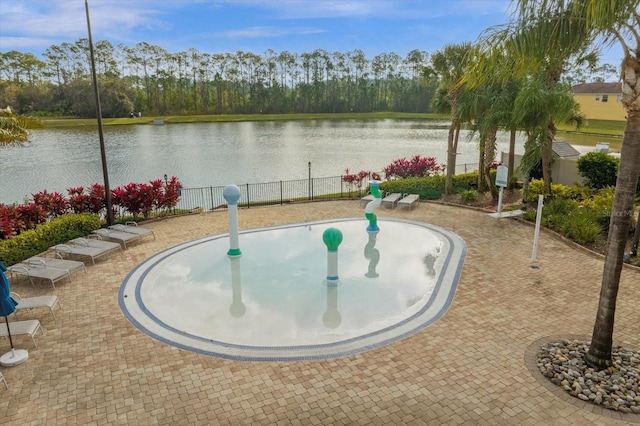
(217, 154)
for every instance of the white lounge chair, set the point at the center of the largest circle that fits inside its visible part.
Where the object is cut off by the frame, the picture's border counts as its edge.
(96, 241)
(56, 262)
(40, 271)
(366, 199)
(121, 237)
(6, 385)
(133, 228)
(28, 327)
(28, 303)
(392, 199)
(409, 201)
(87, 247)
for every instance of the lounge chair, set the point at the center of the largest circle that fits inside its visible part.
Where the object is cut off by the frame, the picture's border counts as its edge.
(409, 201)
(28, 303)
(41, 271)
(29, 327)
(118, 236)
(96, 241)
(87, 247)
(392, 199)
(133, 228)
(6, 385)
(56, 262)
(366, 199)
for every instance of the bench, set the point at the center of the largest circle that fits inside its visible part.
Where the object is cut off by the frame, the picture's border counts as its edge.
(505, 214)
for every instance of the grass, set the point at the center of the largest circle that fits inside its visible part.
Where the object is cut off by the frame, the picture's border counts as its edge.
(82, 122)
(603, 127)
(594, 131)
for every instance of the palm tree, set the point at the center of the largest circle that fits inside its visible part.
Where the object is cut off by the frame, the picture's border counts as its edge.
(13, 128)
(547, 33)
(450, 64)
(489, 106)
(544, 40)
(537, 108)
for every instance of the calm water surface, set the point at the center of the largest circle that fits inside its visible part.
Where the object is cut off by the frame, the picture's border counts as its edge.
(217, 154)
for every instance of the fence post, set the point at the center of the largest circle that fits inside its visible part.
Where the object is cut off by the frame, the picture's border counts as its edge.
(248, 196)
(281, 196)
(310, 180)
(211, 192)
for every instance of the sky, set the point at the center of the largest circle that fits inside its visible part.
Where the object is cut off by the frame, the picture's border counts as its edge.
(228, 26)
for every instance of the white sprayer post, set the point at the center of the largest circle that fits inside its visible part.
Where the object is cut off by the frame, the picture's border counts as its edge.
(537, 231)
(500, 201)
(501, 180)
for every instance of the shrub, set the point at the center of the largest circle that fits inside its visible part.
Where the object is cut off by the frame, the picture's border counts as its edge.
(465, 181)
(536, 187)
(53, 203)
(416, 167)
(581, 226)
(136, 198)
(169, 199)
(356, 181)
(602, 204)
(555, 211)
(97, 202)
(15, 219)
(78, 200)
(469, 196)
(598, 169)
(429, 188)
(58, 230)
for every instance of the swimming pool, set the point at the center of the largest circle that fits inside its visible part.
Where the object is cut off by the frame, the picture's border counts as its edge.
(273, 303)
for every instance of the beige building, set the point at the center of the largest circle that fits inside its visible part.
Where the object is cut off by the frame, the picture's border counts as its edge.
(600, 101)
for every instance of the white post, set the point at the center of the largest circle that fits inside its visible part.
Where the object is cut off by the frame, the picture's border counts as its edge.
(500, 201)
(537, 231)
(501, 180)
(231, 194)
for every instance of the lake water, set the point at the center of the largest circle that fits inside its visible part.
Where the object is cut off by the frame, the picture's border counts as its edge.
(217, 154)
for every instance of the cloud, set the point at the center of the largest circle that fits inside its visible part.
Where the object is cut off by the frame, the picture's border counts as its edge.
(266, 32)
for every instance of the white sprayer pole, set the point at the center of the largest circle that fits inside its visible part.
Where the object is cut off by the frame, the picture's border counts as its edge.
(537, 231)
(500, 201)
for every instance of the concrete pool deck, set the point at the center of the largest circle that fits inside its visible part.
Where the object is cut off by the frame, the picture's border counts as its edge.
(472, 366)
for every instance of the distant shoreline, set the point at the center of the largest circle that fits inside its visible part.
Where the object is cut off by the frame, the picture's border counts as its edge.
(596, 131)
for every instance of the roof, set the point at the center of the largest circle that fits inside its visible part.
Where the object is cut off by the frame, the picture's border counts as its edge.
(564, 149)
(597, 88)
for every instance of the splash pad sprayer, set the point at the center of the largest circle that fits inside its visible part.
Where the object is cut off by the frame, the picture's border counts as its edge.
(332, 238)
(368, 210)
(231, 194)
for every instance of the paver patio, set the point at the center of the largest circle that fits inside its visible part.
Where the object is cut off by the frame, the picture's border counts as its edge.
(470, 367)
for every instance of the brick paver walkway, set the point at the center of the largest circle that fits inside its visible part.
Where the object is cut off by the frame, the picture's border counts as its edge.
(470, 367)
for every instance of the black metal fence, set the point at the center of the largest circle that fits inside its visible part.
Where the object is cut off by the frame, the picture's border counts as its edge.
(269, 193)
(281, 192)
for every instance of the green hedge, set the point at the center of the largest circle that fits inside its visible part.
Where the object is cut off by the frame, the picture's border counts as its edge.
(432, 187)
(57, 231)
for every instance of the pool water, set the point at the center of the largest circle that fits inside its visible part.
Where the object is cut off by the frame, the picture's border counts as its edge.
(274, 302)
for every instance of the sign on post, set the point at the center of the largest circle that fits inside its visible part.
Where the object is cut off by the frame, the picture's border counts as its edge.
(501, 176)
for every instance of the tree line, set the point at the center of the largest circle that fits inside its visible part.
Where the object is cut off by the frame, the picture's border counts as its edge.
(150, 79)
